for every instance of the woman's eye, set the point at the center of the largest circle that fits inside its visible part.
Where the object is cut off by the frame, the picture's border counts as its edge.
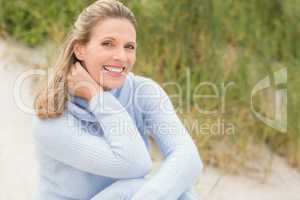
(107, 44)
(130, 47)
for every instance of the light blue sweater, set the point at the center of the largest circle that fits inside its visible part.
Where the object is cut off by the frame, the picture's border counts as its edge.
(93, 144)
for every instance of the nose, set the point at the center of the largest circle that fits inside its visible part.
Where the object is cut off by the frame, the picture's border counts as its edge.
(120, 55)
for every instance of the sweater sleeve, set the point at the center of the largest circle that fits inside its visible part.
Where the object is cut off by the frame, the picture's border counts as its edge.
(182, 164)
(120, 153)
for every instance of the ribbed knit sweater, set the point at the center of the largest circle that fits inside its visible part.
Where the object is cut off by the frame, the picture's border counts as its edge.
(93, 144)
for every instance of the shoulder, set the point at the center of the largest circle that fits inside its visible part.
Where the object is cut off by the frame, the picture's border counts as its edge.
(50, 125)
(148, 94)
(144, 85)
(48, 122)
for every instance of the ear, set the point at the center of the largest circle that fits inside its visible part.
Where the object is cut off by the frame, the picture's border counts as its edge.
(79, 50)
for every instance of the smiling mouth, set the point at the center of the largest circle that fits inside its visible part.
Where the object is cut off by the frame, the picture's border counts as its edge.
(110, 68)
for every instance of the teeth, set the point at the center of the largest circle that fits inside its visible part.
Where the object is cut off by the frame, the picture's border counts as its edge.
(113, 69)
(116, 69)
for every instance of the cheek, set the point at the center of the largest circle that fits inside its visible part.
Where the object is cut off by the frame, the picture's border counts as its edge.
(94, 62)
(132, 58)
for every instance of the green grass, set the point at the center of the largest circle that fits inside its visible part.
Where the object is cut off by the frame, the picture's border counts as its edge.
(217, 41)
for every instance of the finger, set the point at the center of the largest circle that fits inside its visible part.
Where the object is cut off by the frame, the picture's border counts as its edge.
(70, 86)
(69, 78)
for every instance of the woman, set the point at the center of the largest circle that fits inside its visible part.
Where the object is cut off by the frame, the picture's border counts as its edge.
(95, 116)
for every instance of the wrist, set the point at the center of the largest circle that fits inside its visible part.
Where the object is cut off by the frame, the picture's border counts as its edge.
(93, 92)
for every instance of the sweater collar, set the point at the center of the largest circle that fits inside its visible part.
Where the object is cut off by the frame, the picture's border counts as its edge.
(79, 107)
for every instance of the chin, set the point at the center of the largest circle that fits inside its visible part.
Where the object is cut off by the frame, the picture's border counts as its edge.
(109, 82)
(110, 85)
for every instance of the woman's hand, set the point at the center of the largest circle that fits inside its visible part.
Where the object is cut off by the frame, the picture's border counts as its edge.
(81, 84)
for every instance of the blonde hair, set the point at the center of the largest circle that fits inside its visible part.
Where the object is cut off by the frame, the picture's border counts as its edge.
(51, 99)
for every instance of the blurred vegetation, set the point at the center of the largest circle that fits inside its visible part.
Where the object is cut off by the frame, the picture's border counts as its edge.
(197, 41)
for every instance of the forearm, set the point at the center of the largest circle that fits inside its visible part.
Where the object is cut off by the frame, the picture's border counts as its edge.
(126, 188)
(176, 175)
(182, 164)
(119, 130)
(119, 154)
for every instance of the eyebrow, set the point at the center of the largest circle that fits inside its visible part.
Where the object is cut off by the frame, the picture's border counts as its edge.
(111, 38)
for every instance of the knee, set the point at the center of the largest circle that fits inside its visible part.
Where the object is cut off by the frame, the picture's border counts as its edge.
(120, 190)
(190, 195)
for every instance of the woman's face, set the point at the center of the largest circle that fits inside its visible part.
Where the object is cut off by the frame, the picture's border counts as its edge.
(110, 53)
